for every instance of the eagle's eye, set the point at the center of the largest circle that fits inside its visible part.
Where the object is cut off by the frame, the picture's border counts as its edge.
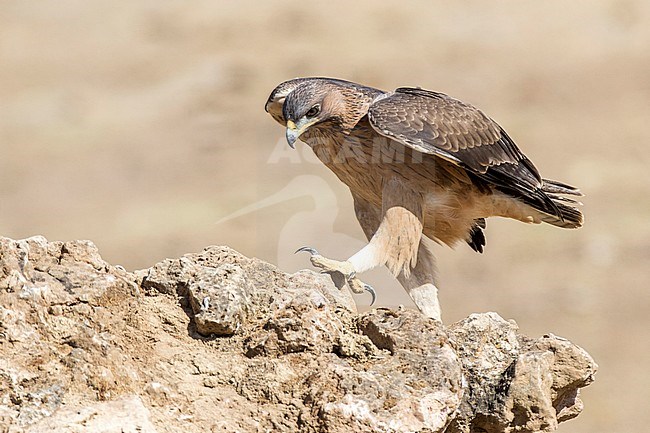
(313, 111)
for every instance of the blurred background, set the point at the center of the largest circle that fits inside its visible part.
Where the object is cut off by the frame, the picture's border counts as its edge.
(140, 125)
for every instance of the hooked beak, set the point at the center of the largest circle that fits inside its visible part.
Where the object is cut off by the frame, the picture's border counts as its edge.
(292, 134)
(295, 130)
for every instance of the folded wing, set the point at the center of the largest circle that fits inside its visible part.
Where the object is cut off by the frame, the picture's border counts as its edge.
(436, 124)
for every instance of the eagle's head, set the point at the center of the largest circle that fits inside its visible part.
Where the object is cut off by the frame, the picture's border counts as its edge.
(309, 104)
(325, 103)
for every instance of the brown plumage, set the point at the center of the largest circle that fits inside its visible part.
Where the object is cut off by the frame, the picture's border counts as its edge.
(417, 163)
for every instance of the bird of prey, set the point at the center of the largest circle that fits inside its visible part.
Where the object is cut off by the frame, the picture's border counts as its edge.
(420, 165)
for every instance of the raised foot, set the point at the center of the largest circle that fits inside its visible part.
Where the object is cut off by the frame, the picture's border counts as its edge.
(345, 268)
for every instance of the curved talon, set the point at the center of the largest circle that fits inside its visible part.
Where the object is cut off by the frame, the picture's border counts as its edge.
(310, 250)
(345, 269)
(368, 288)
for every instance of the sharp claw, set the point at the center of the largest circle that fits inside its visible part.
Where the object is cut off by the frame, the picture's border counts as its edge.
(310, 250)
(368, 288)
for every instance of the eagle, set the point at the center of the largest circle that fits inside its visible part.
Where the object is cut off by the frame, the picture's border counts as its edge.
(421, 166)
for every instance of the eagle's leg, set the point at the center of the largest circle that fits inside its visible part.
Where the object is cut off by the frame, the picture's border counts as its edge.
(396, 240)
(345, 269)
(420, 284)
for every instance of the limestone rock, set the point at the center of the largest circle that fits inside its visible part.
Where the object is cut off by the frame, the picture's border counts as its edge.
(215, 341)
(125, 414)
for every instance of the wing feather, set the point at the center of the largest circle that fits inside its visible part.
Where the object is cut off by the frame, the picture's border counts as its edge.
(437, 124)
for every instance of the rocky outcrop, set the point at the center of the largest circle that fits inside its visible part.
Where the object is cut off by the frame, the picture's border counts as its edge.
(215, 341)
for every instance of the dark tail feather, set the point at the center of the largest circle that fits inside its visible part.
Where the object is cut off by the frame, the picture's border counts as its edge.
(555, 187)
(551, 207)
(568, 216)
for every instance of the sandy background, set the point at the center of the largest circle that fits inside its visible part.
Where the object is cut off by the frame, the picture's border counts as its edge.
(140, 125)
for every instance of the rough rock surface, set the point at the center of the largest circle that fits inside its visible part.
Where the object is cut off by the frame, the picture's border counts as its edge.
(215, 341)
